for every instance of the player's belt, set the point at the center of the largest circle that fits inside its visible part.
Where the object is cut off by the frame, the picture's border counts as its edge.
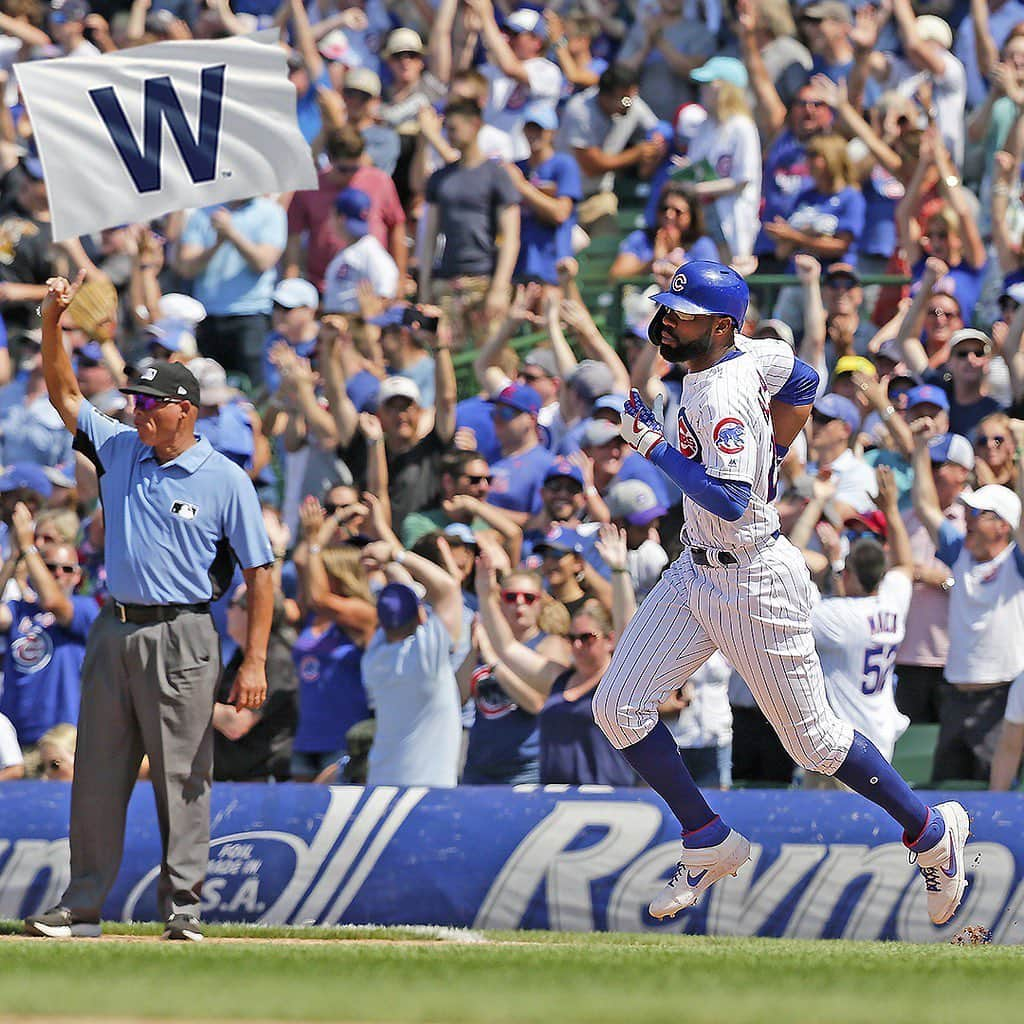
(144, 614)
(712, 559)
(709, 559)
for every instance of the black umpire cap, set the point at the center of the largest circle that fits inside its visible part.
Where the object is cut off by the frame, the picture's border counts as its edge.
(165, 380)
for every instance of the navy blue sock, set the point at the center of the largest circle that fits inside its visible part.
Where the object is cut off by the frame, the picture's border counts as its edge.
(929, 836)
(866, 772)
(657, 761)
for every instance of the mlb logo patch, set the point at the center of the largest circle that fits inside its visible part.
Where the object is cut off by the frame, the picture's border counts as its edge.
(184, 510)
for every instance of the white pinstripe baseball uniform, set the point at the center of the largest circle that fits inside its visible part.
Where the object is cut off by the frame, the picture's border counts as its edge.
(756, 612)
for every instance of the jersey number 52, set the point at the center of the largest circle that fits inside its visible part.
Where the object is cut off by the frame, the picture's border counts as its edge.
(878, 663)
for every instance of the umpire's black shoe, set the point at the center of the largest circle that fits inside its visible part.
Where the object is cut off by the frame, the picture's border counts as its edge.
(61, 923)
(183, 928)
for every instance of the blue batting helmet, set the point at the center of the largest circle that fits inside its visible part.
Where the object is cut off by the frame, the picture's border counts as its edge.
(705, 288)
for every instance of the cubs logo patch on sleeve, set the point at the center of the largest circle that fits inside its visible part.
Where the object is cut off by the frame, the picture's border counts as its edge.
(729, 435)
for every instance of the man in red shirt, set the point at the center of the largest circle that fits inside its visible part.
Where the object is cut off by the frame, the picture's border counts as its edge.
(311, 211)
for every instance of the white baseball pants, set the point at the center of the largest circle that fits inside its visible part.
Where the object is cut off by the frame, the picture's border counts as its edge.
(758, 616)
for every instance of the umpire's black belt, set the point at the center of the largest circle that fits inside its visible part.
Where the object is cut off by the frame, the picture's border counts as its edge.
(719, 559)
(144, 614)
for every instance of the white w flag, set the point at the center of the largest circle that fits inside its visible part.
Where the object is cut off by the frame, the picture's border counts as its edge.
(136, 134)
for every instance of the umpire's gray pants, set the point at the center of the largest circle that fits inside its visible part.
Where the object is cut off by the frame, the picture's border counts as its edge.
(145, 690)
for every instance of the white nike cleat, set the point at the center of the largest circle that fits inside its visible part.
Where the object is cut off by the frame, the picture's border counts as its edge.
(942, 867)
(698, 870)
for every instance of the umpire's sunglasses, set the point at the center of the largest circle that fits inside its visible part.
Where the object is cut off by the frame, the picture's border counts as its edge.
(147, 403)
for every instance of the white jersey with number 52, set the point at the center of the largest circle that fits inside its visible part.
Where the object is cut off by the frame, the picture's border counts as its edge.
(725, 424)
(857, 639)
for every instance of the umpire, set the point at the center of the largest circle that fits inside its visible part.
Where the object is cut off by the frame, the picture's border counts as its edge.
(176, 516)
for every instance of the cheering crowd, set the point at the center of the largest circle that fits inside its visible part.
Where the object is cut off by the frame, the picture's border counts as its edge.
(417, 367)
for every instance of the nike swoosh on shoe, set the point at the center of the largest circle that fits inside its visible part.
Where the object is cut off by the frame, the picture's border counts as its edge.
(694, 880)
(950, 872)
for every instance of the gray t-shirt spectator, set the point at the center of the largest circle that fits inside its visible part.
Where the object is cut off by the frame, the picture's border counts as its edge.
(585, 124)
(469, 200)
(412, 687)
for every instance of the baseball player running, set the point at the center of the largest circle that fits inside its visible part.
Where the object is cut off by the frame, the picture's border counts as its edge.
(741, 588)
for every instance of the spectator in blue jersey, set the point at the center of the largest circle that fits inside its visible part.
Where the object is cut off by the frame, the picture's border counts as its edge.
(504, 742)
(549, 186)
(786, 168)
(950, 230)
(678, 235)
(827, 218)
(293, 320)
(517, 476)
(884, 153)
(45, 631)
(231, 425)
(338, 620)
(573, 750)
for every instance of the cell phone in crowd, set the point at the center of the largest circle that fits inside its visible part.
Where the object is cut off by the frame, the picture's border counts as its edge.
(413, 317)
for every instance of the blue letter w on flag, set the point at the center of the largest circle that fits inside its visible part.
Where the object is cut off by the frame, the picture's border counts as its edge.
(160, 102)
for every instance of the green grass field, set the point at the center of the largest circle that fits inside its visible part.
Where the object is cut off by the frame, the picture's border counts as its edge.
(424, 975)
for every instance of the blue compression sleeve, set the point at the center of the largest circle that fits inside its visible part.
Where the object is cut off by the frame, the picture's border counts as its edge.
(802, 386)
(727, 499)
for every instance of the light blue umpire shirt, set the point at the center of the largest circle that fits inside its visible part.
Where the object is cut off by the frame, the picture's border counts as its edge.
(172, 528)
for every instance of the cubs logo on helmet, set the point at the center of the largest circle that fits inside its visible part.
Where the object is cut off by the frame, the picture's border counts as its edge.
(703, 288)
(729, 435)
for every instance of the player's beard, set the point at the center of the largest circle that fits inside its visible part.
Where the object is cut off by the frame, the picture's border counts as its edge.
(684, 351)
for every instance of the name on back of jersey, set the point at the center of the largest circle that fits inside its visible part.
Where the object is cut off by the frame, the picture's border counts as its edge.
(883, 622)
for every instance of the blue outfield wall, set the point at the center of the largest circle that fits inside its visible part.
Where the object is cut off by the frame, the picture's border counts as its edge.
(824, 865)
